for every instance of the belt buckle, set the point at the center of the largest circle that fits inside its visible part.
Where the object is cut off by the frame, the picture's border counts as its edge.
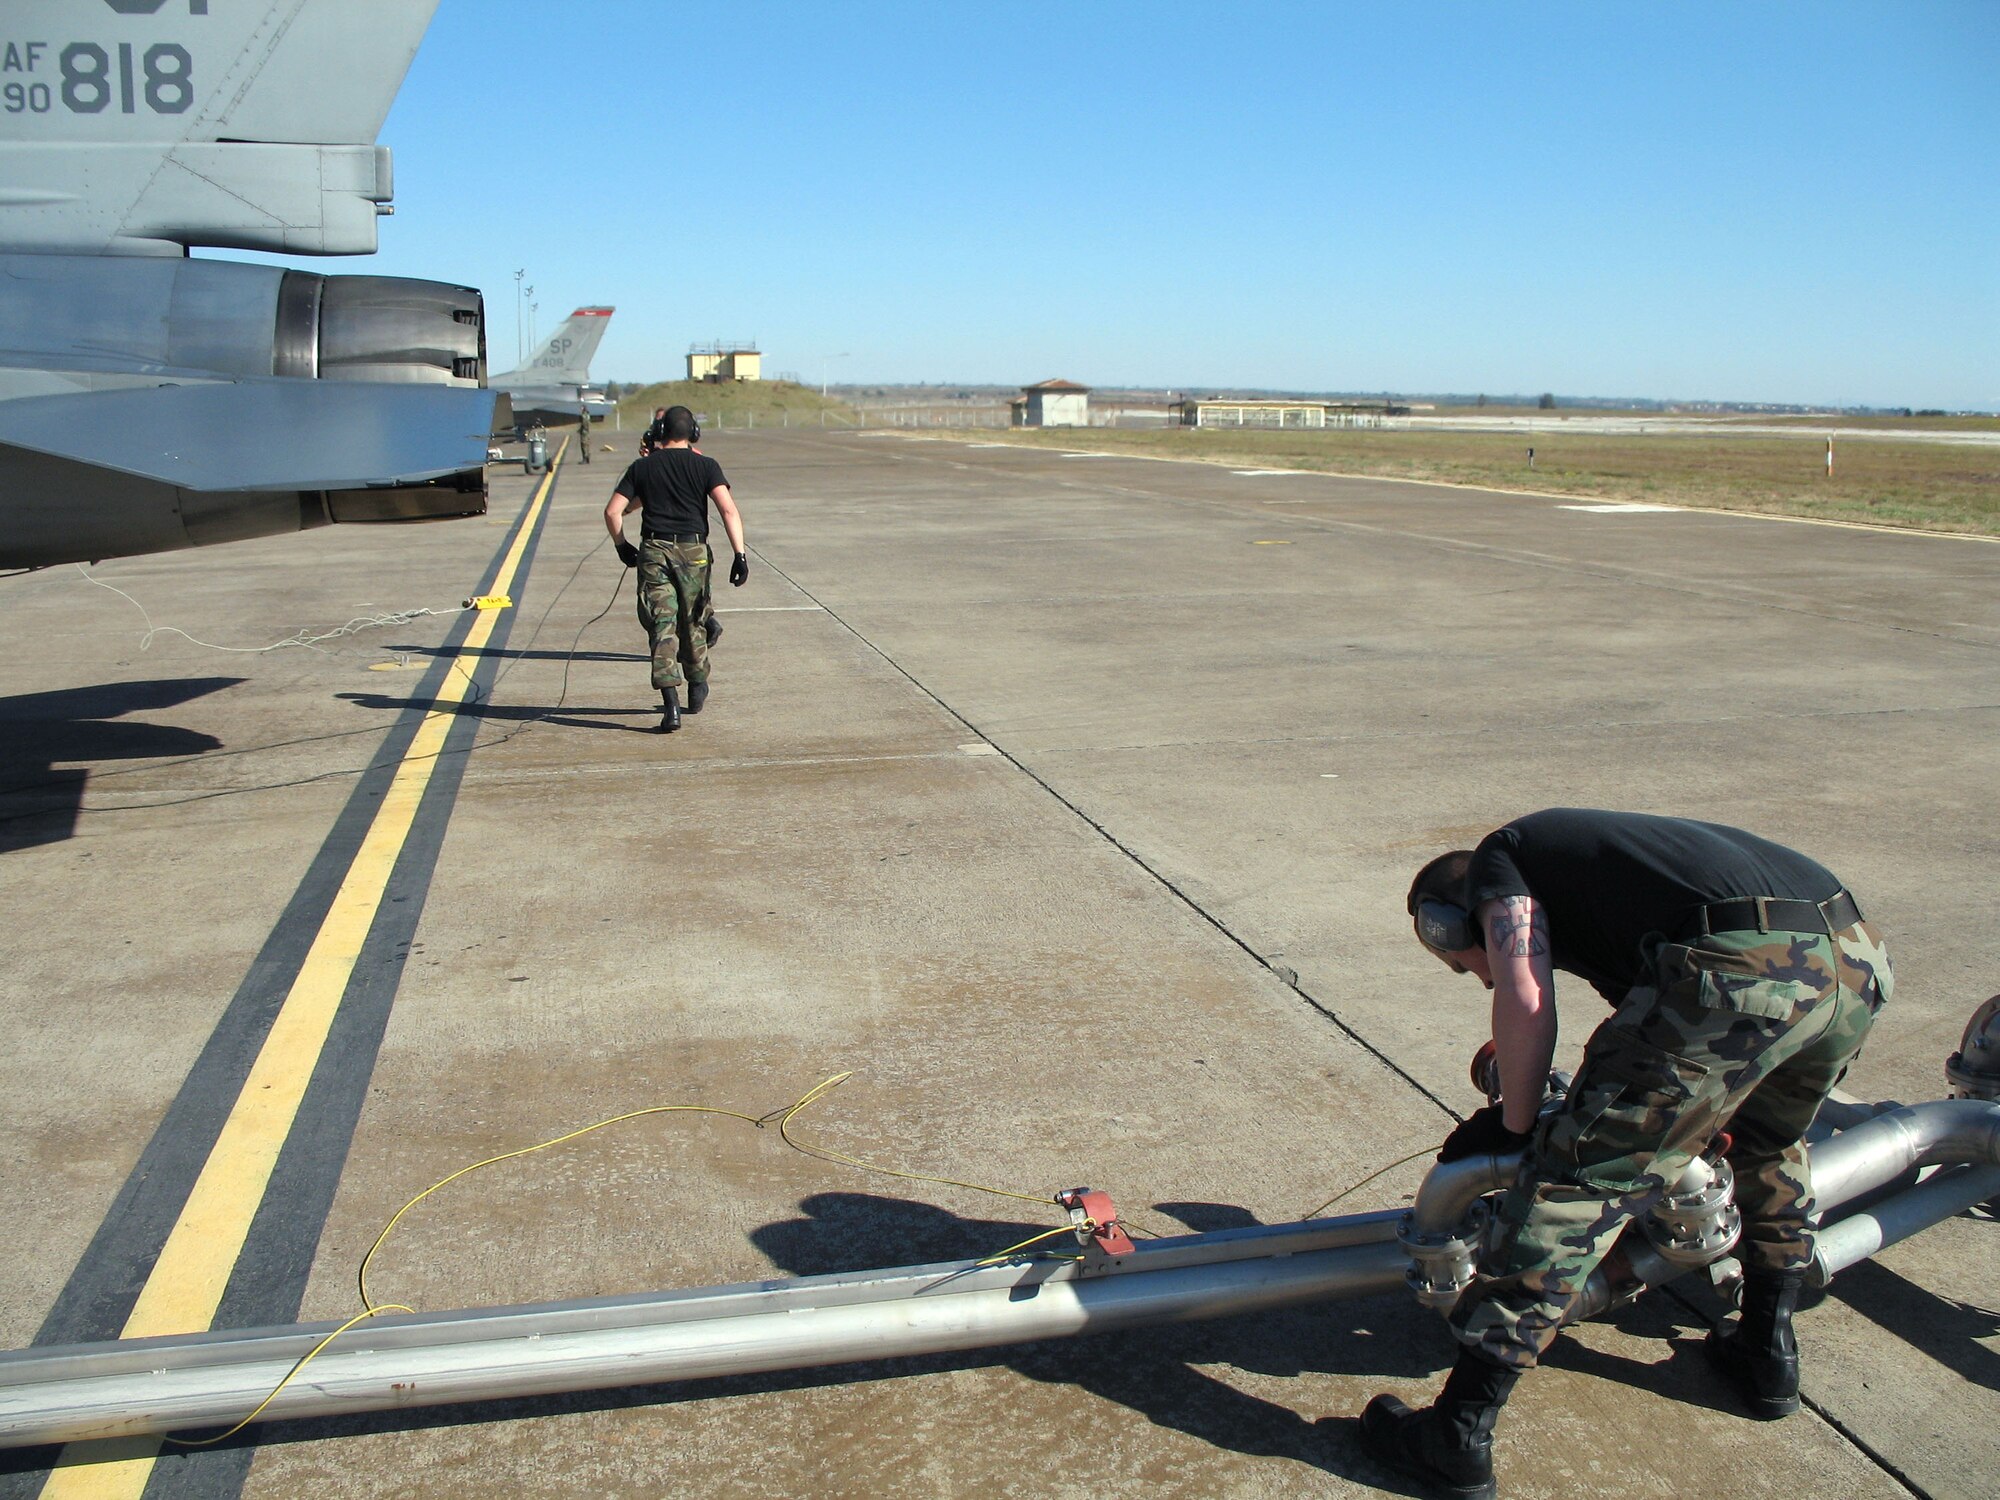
(1763, 905)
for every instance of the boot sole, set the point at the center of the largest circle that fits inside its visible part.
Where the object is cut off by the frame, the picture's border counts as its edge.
(1769, 1408)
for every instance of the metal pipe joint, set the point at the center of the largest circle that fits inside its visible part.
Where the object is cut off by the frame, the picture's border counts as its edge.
(1974, 1070)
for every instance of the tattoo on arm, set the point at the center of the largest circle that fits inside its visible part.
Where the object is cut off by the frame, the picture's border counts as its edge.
(1517, 929)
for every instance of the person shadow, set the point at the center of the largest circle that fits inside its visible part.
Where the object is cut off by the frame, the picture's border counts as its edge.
(518, 716)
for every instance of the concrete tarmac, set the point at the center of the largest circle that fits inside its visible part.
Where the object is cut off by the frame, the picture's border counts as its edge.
(1070, 804)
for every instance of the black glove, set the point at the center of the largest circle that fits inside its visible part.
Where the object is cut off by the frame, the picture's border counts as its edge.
(1484, 1130)
(739, 571)
(627, 553)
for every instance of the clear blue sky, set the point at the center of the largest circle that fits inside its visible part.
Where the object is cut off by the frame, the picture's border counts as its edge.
(1763, 203)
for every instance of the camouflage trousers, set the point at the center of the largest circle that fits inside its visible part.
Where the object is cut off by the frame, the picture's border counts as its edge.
(1747, 1031)
(673, 603)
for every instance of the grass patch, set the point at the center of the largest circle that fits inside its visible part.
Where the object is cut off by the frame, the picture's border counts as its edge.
(726, 405)
(1933, 486)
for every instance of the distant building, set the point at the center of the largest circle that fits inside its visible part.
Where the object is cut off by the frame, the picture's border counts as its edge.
(1196, 412)
(724, 361)
(1053, 403)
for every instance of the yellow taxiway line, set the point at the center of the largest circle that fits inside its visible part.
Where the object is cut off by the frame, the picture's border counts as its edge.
(194, 1266)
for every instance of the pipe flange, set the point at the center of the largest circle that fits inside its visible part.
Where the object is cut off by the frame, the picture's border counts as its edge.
(1442, 1266)
(1700, 1222)
(1974, 1070)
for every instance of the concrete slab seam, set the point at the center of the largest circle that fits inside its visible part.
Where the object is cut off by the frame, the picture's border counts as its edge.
(1136, 859)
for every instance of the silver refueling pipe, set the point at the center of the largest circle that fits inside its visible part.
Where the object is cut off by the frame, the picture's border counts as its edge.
(150, 1386)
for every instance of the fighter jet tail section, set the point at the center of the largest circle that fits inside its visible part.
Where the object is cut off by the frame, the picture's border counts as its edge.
(149, 404)
(565, 358)
(149, 126)
(149, 400)
(556, 382)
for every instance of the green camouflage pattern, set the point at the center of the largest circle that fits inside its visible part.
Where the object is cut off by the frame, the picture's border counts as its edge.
(673, 604)
(1748, 1031)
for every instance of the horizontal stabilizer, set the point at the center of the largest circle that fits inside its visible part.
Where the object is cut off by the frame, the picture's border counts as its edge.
(262, 434)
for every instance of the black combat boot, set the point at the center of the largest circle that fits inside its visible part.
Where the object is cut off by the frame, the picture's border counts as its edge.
(712, 628)
(697, 695)
(1760, 1355)
(670, 710)
(1449, 1444)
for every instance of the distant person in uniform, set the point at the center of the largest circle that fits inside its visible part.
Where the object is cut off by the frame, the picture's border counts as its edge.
(655, 437)
(673, 486)
(583, 432)
(1745, 979)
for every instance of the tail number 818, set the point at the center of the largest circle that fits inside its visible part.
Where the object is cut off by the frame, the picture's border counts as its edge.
(164, 80)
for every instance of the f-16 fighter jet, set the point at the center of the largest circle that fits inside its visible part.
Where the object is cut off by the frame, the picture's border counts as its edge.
(150, 400)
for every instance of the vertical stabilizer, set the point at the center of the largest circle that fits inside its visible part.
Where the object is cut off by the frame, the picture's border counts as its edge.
(564, 359)
(149, 126)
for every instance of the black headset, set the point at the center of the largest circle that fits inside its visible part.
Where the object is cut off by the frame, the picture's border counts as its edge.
(1444, 926)
(657, 433)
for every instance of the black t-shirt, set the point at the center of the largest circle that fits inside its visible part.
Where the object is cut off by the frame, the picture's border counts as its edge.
(671, 486)
(1608, 879)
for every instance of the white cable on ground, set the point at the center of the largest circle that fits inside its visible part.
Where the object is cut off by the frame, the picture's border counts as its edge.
(305, 637)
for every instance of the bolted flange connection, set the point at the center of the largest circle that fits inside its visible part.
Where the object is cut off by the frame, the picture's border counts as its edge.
(1974, 1070)
(1698, 1222)
(1443, 1265)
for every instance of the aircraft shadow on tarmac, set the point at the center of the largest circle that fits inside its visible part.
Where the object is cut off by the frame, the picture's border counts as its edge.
(519, 713)
(40, 804)
(1161, 1373)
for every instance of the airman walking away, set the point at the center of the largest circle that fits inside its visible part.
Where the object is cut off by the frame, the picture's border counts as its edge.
(673, 486)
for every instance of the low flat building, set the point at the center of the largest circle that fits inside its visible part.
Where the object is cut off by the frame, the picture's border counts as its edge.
(724, 361)
(1195, 412)
(1052, 403)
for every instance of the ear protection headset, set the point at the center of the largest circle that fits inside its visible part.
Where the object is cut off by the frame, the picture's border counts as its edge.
(1443, 926)
(659, 429)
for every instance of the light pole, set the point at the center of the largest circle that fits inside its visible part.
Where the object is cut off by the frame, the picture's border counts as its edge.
(533, 307)
(520, 356)
(824, 361)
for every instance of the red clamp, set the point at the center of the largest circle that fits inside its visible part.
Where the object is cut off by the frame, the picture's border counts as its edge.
(1096, 1220)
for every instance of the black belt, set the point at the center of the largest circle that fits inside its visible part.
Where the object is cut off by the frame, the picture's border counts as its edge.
(1774, 914)
(678, 541)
